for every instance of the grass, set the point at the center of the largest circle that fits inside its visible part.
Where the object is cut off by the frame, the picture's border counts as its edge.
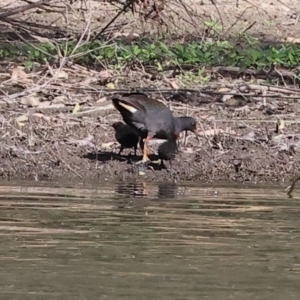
(248, 54)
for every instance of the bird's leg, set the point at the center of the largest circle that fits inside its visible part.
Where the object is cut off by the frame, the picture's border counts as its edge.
(162, 164)
(145, 152)
(185, 138)
(143, 145)
(135, 148)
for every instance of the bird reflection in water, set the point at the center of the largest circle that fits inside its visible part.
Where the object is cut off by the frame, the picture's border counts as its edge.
(135, 189)
(167, 190)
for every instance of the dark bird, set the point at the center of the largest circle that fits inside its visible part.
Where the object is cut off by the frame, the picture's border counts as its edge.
(186, 124)
(126, 136)
(167, 152)
(151, 119)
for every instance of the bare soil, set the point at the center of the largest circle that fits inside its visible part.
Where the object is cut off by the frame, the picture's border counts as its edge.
(254, 138)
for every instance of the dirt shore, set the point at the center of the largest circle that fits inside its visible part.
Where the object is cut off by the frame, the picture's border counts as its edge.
(242, 140)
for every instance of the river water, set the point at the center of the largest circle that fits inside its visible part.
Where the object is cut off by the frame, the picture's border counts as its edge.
(144, 241)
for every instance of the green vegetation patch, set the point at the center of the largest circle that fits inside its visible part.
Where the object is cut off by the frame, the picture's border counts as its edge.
(249, 54)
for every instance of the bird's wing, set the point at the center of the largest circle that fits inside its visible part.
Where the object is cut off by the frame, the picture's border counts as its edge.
(131, 102)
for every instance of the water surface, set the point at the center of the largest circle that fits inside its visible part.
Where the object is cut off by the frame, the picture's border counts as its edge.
(139, 241)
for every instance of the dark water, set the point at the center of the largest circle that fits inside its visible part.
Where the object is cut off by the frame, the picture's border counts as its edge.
(140, 241)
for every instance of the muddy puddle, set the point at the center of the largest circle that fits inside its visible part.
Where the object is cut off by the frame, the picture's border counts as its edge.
(139, 241)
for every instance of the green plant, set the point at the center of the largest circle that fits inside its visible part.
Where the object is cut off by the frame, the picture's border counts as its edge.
(249, 53)
(214, 25)
(198, 76)
(28, 65)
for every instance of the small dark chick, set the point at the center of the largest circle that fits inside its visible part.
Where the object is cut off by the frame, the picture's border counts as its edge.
(126, 136)
(167, 151)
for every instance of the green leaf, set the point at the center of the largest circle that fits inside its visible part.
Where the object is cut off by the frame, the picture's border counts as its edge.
(164, 47)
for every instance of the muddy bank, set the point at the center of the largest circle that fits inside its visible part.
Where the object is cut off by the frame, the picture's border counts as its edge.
(250, 140)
